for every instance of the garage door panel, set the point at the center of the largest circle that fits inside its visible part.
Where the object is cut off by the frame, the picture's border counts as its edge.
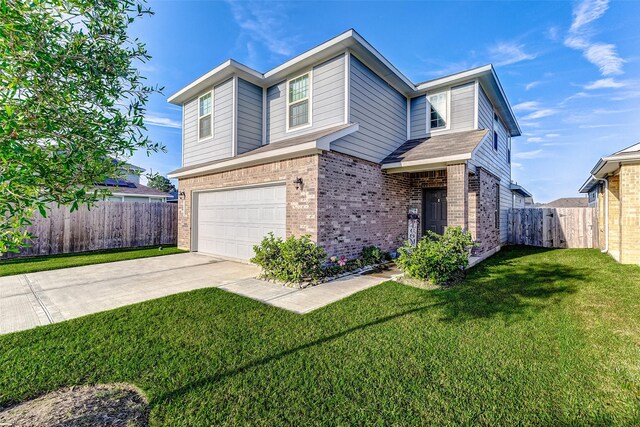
(231, 222)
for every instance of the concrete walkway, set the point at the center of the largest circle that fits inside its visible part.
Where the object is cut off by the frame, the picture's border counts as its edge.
(34, 299)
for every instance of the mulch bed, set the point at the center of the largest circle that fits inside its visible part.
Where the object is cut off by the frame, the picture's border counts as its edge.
(99, 405)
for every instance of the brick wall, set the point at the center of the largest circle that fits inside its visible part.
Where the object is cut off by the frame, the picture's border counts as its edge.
(457, 191)
(360, 205)
(629, 213)
(614, 217)
(301, 204)
(483, 205)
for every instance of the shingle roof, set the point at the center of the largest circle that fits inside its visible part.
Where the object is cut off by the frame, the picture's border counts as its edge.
(137, 190)
(437, 147)
(567, 202)
(289, 142)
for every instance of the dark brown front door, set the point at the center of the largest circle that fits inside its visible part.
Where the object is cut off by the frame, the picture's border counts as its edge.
(434, 210)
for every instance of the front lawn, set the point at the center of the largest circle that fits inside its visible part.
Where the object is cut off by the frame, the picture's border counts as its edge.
(53, 262)
(530, 337)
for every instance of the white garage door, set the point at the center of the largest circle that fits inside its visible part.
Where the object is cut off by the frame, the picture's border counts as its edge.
(230, 222)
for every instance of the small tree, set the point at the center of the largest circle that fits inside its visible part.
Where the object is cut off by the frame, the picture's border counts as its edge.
(71, 101)
(159, 182)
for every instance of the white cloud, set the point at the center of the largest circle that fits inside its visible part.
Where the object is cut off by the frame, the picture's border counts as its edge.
(607, 83)
(539, 114)
(609, 125)
(602, 55)
(553, 33)
(526, 106)
(264, 23)
(166, 122)
(552, 135)
(535, 139)
(534, 154)
(531, 85)
(506, 53)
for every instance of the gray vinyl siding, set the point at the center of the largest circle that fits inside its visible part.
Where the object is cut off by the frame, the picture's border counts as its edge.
(485, 110)
(418, 117)
(218, 146)
(381, 112)
(249, 116)
(327, 98)
(462, 107)
(495, 161)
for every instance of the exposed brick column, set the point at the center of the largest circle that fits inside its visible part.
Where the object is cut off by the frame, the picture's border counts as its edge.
(630, 214)
(457, 195)
(614, 217)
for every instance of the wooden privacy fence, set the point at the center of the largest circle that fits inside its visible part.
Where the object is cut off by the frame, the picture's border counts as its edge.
(108, 225)
(554, 227)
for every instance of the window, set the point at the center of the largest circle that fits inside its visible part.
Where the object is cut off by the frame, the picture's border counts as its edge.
(495, 131)
(298, 102)
(509, 150)
(205, 128)
(438, 117)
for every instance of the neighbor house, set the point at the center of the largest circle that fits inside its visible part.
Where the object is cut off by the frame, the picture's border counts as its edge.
(566, 202)
(521, 198)
(338, 144)
(127, 188)
(614, 188)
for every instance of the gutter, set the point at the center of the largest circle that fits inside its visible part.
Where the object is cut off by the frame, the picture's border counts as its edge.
(606, 213)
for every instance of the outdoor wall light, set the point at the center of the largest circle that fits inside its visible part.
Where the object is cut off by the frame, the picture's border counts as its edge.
(181, 195)
(298, 183)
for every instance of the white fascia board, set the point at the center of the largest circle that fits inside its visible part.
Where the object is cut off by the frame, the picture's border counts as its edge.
(251, 160)
(434, 163)
(324, 143)
(217, 75)
(588, 185)
(453, 78)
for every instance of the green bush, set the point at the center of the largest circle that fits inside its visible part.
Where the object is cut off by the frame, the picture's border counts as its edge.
(293, 260)
(373, 255)
(439, 259)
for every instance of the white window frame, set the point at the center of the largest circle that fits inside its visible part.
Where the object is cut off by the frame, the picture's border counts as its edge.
(495, 143)
(447, 120)
(210, 113)
(309, 98)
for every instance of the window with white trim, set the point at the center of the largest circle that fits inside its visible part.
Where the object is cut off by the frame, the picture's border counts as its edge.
(438, 115)
(495, 131)
(298, 101)
(509, 150)
(205, 122)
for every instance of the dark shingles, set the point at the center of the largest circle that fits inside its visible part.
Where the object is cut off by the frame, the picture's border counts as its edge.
(434, 147)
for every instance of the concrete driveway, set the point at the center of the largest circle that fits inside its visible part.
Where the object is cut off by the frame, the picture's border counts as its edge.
(30, 300)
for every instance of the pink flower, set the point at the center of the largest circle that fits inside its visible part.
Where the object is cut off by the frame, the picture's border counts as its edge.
(342, 261)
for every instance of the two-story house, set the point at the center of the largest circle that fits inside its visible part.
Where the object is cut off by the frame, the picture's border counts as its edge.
(337, 143)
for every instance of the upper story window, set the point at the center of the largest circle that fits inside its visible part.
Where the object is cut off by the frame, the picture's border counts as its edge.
(496, 124)
(438, 116)
(299, 101)
(205, 122)
(509, 150)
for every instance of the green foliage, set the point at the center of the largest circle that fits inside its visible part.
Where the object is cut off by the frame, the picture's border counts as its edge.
(439, 259)
(373, 255)
(293, 260)
(159, 182)
(72, 101)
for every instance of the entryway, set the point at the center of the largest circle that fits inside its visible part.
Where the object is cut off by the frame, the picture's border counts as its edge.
(434, 210)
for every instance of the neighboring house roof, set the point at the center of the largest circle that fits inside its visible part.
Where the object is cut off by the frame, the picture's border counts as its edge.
(309, 143)
(520, 190)
(610, 164)
(356, 44)
(126, 188)
(436, 150)
(567, 202)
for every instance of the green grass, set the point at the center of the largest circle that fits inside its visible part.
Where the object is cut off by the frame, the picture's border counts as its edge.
(532, 337)
(54, 262)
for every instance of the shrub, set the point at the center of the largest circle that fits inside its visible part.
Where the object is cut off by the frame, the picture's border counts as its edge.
(373, 255)
(440, 259)
(293, 260)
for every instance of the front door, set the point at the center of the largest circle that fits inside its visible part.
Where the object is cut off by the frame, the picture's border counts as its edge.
(434, 210)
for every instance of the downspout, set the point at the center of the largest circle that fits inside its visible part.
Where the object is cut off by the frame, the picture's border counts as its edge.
(606, 213)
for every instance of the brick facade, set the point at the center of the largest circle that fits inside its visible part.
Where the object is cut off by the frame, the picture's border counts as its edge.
(457, 195)
(360, 205)
(301, 204)
(624, 214)
(347, 203)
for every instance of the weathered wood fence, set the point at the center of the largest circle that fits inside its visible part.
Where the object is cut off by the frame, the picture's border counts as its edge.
(108, 225)
(554, 227)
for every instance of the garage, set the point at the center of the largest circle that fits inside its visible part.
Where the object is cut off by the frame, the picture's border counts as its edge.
(229, 222)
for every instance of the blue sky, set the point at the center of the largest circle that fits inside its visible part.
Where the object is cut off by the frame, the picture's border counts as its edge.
(571, 70)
